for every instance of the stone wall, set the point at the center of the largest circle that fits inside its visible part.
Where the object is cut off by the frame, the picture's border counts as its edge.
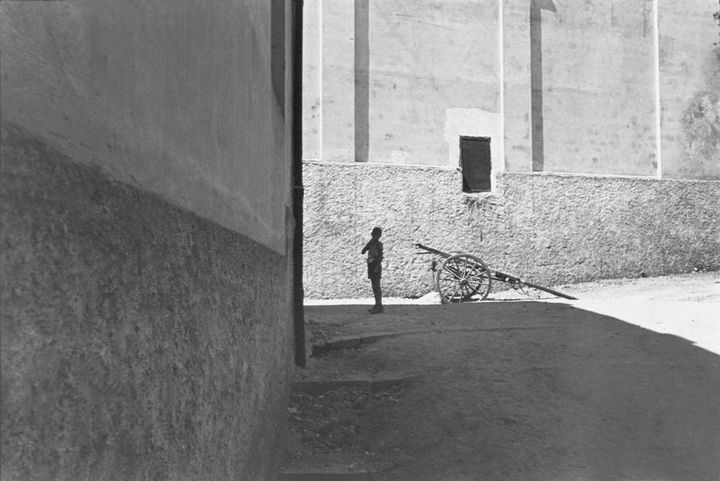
(139, 341)
(549, 228)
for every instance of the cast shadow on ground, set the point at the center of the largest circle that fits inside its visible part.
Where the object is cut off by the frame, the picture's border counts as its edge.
(522, 390)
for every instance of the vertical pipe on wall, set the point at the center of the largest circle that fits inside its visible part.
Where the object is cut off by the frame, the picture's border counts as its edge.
(278, 62)
(298, 191)
(658, 113)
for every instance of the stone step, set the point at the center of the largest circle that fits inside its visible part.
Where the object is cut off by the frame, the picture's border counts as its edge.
(369, 386)
(337, 474)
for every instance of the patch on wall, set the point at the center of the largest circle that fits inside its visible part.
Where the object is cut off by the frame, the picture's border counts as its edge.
(701, 119)
(701, 124)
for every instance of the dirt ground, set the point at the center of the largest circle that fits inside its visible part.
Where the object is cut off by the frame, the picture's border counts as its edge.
(621, 384)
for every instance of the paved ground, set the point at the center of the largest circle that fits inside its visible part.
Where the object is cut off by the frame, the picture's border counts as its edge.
(622, 384)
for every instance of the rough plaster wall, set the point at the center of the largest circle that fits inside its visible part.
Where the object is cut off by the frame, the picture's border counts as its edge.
(548, 228)
(138, 340)
(173, 96)
(689, 89)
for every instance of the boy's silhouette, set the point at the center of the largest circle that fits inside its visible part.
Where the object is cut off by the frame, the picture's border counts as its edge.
(374, 248)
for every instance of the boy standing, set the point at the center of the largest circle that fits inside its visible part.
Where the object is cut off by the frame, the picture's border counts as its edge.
(374, 248)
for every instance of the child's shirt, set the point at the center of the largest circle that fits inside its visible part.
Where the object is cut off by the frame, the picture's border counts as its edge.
(375, 252)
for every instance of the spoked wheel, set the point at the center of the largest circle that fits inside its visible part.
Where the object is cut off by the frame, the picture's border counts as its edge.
(462, 276)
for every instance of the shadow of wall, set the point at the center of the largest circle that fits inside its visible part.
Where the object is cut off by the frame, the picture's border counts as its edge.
(529, 390)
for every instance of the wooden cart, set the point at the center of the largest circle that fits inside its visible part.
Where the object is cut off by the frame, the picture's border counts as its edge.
(463, 276)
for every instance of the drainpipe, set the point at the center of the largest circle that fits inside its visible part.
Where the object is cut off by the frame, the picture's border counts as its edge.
(298, 191)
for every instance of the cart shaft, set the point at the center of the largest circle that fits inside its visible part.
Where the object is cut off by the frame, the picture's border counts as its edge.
(432, 250)
(504, 277)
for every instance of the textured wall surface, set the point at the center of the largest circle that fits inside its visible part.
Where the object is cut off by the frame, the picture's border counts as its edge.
(139, 341)
(173, 96)
(544, 227)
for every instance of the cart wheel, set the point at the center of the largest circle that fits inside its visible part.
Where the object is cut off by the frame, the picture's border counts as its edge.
(462, 276)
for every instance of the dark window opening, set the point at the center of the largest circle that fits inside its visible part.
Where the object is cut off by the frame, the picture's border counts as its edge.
(475, 163)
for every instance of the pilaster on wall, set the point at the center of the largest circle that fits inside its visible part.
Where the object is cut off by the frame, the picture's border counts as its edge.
(656, 87)
(312, 79)
(338, 96)
(522, 83)
(516, 85)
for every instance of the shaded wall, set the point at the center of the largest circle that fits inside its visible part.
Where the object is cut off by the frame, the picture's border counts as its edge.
(549, 228)
(146, 329)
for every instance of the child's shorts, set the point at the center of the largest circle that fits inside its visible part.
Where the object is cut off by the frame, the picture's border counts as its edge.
(374, 270)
